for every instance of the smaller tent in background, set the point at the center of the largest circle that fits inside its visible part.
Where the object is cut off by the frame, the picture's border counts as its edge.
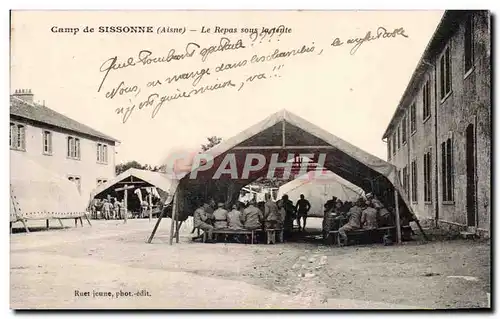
(318, 188)
(140, 184)
(38, 193)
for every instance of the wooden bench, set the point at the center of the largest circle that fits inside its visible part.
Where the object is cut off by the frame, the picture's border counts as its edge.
(271, 234)
(387, 230)
(232, 232)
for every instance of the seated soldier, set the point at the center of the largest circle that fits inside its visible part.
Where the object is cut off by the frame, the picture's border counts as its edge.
(202, 219)
(354, 220)
(384, 215)
(220, 217)
(252, 217)
(234, 218)
(369, 217)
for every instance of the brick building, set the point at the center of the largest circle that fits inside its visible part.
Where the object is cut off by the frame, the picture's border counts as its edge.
(440, 135)
(60, 144)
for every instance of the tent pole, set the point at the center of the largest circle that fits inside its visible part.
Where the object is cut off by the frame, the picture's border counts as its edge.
(398, 221)
(150, 202)
(283, 144)
(156, 226)
(178, 226)
(174, 216)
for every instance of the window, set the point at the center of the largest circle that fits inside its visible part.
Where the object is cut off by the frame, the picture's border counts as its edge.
(469, 44)
(445, 73)
(426, 96)
(101, 181)
(388, 148)
(403, 130)
(427, 177)
(405, 179)
(73, 147)
(413, 118)
(102, 153)
(447, 170)
(414, 181)
(47, 142)
(399, 137)
(77, 181)
(393, 144)
(17, 136)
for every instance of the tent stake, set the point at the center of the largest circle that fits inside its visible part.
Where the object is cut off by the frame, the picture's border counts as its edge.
(398, 221)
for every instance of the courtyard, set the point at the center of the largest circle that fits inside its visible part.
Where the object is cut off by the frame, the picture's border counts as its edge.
(110, 265)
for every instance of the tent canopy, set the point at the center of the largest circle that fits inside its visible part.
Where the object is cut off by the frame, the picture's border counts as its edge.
(139, 179)
(38, 193)
(286, 134)
(318, 192)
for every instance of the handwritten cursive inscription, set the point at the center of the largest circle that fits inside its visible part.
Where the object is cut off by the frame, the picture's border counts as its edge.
(144, 57)
(381, 33)
(158, 91)
(224, 45)
(157, 101)
(122, 89)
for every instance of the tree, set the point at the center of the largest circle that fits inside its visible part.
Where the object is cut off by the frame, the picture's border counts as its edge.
(212, 141)
(120, 168)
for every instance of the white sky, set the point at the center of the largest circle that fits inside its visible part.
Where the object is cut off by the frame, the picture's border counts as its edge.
(352, 96)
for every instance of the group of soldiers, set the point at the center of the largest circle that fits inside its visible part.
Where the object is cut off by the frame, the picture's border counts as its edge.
(110, 208)
(366, 213)
(251, 216)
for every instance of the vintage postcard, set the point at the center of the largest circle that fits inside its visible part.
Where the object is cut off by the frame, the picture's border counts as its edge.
(250, 159)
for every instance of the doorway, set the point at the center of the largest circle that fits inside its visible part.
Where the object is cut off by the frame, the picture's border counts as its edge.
(471, 175)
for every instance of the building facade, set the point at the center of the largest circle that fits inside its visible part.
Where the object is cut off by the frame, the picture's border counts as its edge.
(440, 135)
(60, 144)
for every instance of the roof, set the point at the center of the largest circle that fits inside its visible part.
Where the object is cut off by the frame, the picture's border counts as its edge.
(43, 114)
(444, 31)
(297, 126)
(344, 159)
(155, 179)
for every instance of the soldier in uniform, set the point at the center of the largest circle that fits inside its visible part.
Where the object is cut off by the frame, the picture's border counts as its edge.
(202, 219)
(354, 220)
(270, 213)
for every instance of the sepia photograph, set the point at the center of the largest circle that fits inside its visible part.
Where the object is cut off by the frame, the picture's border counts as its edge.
(251, 159)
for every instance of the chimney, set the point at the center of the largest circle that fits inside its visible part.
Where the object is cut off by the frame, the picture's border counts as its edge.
(24, 94)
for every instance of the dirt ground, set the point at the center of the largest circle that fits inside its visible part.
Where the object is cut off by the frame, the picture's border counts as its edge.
(65, 268)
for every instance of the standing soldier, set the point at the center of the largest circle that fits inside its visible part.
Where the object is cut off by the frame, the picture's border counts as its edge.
(303, 206)
(106, 208)
(271, 212)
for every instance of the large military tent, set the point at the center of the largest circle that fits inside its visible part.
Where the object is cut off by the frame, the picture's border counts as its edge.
(285, 133)
(38, 193)
(319, 191)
